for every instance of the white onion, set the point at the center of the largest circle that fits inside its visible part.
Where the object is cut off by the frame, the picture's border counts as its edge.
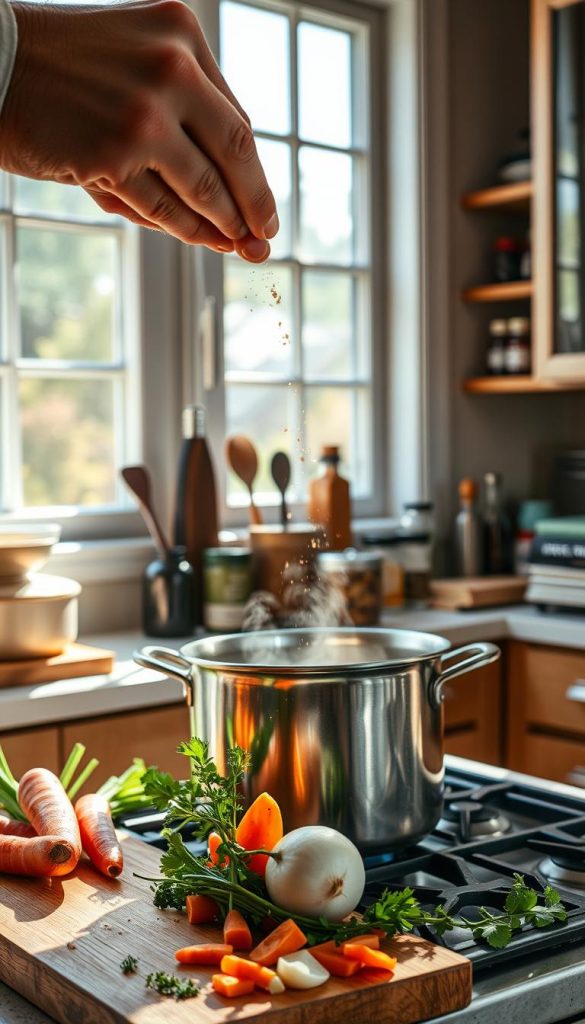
(316, 871)
(301, 970)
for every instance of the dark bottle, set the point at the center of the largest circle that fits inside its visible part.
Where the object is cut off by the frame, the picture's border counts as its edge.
(167, 596)
(196, 509)
(497, 530)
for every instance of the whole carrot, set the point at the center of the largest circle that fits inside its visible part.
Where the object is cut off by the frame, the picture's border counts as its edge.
(98, 834)
(38, 856)
(11, 827)
(49, 809)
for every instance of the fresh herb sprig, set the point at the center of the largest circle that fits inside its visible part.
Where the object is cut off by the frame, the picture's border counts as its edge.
(170, 985)
(129, 965)
(209, 802)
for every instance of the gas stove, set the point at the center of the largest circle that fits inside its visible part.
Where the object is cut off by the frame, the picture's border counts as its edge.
(494, 824)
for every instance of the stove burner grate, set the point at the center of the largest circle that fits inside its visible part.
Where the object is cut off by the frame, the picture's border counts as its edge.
(469, 819)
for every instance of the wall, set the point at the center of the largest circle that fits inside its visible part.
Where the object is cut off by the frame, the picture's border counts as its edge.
(479, 97)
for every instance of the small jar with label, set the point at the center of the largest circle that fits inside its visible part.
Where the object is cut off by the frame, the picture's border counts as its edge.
(417, 560)
(388, 547)
(358, 575)
(496, 350)
(227, 585)
(518, 357)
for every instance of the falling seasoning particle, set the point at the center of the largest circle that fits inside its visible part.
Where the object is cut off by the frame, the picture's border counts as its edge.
(71, 945)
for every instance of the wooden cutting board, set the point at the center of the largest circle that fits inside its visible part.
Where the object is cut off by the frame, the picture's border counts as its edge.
(62, 941)
(76, 660)
(477, 591)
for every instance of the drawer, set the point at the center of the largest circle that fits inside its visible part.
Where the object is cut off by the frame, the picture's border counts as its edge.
(31, 748)
(546, 687)
(116, 739)
(550, 757)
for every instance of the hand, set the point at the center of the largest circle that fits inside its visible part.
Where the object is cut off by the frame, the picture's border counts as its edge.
(128, 102)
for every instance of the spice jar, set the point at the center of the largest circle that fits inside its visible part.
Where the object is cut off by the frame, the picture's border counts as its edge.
(358, 575)
(507, 256)
(168, 606)
(518, 353)
(227, 585)
(496, 350)
(388, 546)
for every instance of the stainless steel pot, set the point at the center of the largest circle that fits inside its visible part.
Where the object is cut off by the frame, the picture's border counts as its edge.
(344, 726)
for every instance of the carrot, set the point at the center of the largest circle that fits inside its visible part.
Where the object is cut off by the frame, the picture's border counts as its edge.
(373, 941)
(332, 959)
(230, 987)
(368, 957)
(10, 827)
(287, 938)
(201, 909)
(262, 977)
(98, 834)
(213, 841)
(49, 810)
(260, 829)
(208, 954)
(236, 932)
(40, 856)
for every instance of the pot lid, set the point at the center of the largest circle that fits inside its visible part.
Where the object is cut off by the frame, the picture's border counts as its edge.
(310, 652)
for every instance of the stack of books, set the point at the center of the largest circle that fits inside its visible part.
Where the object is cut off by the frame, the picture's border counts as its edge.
(557, 563)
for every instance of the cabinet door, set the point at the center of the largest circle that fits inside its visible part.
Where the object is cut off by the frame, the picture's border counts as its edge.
(31, 748)
(473, 715)
(152, 734)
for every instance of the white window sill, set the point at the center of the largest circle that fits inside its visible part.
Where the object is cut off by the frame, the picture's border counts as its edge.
(101, 561)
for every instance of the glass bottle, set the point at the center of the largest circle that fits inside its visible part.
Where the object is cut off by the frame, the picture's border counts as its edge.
(167, 595)
(329, 501)
(468, 531)
(497, 531)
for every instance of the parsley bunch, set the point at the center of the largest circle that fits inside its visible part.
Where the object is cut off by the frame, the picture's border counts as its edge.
(170, 985)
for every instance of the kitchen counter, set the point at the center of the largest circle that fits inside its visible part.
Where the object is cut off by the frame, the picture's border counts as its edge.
(546, 989)
(130, 687)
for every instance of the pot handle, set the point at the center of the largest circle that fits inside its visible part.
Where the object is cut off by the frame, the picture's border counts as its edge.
(163, 659)
(478, 655)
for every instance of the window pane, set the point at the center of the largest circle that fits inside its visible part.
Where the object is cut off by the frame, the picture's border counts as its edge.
(329, 326)
(67, 442)
(326, 206)
(276, 160)
(324, 57)
(341, 416)
(257, 323)
(255, 62)
(51, 198)
(267, 415)
(66, 294)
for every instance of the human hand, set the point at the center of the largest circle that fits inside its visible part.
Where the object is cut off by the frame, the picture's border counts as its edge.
(127, 101)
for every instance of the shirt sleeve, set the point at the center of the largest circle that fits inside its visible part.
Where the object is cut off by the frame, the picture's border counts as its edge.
(8, 41)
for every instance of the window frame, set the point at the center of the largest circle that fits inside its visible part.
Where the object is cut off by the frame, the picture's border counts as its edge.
(211, 390)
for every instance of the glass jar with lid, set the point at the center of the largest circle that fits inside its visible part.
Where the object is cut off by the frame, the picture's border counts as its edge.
(227, 585)
(389, 547)
(358, 576)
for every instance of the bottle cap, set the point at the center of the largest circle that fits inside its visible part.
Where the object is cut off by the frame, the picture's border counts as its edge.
(467, 489)
(498, 328)
(330, 453)
(519, 325)
(193, 421)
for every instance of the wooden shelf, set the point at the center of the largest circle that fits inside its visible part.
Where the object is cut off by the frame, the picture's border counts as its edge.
(515, 198)
(506, 292)
(520, 385)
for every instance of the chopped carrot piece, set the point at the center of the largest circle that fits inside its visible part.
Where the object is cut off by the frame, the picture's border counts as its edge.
(373, 941)
(228, 986)
(214, 840)
(369, 957)
(332, 959)
(236, 932)
(287, 938)
(263, 977)
(201, 909)
(208, 954)
(260, 829)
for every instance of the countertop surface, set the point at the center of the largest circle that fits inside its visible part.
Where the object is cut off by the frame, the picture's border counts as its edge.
(130, 687)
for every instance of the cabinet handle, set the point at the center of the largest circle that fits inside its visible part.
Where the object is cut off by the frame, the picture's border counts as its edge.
(576, 691)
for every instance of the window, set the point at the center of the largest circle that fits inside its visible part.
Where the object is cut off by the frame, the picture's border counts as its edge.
(68, 380)
(299, 356)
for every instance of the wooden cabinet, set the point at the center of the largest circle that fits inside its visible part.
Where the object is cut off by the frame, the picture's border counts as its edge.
(473, 715)
(115, 739)
(27, 748)
(545, 710)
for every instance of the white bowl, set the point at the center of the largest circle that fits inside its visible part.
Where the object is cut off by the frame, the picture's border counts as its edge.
(25, 549)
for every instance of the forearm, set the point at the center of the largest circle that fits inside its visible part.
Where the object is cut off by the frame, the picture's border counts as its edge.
(8, 41)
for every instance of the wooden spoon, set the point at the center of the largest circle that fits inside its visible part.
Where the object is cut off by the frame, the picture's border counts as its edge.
(137, 479)
(280, 467)
(243, 459)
